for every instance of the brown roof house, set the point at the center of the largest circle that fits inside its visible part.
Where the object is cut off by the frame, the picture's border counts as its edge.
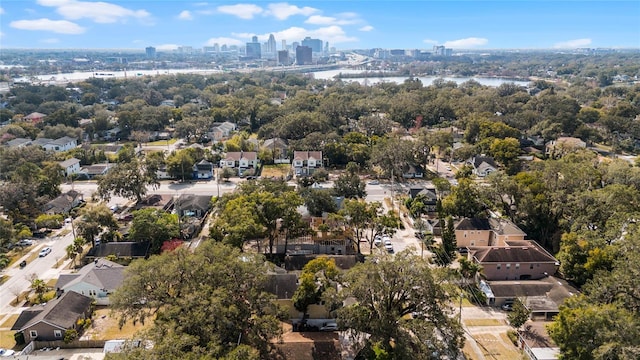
(519, 260)
(278, 148)
(240, 160)
(50, 321)
(306, 162)
(98, 280)
(63, 203)
(486, 232)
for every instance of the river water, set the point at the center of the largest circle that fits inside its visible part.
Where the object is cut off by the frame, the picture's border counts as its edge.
(64, 78)
(426, 80)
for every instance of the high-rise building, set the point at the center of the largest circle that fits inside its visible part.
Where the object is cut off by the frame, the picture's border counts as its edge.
(284, 44)
(304, 55)
(283, 57)
(253, 49)
(271, 44)
(314, 44)
(151, 51)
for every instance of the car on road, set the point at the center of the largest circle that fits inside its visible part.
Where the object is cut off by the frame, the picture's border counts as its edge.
(23, 263)
(374, 182)
(44, 252)
(377, 241)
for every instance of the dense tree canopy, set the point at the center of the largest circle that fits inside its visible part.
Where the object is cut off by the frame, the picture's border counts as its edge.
(203, 304)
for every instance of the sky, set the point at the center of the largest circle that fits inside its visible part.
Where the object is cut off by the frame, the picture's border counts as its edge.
(345, 24)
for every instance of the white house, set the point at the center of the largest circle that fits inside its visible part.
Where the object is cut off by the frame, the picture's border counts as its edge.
(483, 165)
(62, 144)
(240, 159)
(97, 280)
(70, 166)
(306, 162)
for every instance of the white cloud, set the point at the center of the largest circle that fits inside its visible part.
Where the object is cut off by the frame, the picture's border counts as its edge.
(282, 11)
(430, 41)
(166, 47)
(1, 11)
(243, 11)
(185, 15)
(339, 19)
(100, 12)
(332, 34)
(56, 26)
(366, 28)
(466, 43)
(224, 41)
(571, 44)
(50, 41)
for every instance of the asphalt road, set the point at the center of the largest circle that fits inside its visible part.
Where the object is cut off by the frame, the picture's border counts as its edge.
(41, 267)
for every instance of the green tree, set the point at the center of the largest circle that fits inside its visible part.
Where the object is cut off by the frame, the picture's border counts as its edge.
(181, 288)
(40, 287)
(318, 201)
(75, 249)
(180, 165)
(387, 290)
(519, 314)
(93, 220)
(349, 185)
(464, 200)
(129, 180)
(155, 226)
(316, 277)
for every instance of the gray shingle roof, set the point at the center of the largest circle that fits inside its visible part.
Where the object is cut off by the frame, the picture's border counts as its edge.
(61, 312)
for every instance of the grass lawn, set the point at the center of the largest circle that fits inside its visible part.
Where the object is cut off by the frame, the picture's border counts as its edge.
(4, 278)
(6, 339)
(105, 326)
(496, 347)
(161, 142)
(10, 321)
(276, 170)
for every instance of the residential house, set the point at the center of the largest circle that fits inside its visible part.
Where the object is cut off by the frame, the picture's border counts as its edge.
(91, 171)
(123, 249)
(97, 280)
(192, 205)
(486, 232)
(203, 170)
(519, 260)
(58, 145)
(18, 142)
(542, 297)
(483, 165)
(306, 162)
(113, 133)
(281, 283)
(428, 196)
(279, 150)
(564, 145)
(63, 203)
(34, 117)
(221, 131)
(70, 166)
(412, 171)
(50, 321)
(240, 160)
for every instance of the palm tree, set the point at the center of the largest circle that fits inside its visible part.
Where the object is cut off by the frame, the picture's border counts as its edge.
(39, 287)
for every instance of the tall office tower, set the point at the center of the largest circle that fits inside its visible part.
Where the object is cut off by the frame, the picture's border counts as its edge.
(151, 51)
(253, 49)
(314, 44)
(284, 44)
(283, 57)
(326, 48)
(271, 44)
(294, 45)
(304, 55)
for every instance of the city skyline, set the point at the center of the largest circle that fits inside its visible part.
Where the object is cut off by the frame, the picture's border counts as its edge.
(167, 25)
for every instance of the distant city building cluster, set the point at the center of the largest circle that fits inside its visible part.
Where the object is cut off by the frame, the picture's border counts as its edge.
(302, 53)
